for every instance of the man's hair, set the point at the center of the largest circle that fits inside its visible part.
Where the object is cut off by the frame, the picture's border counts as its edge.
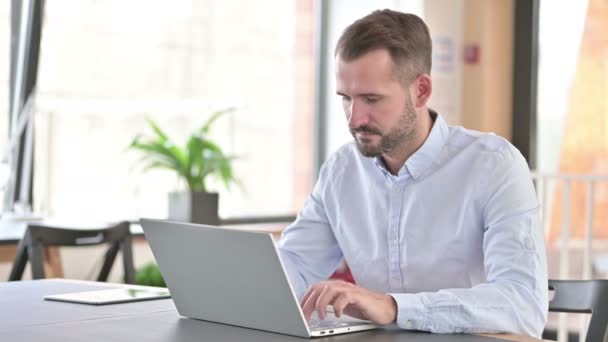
(405, 36)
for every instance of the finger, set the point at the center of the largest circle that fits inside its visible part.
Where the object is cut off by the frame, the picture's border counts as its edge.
(310, 290)
(340, 303)
(325, 296)
(344, 283)
(309, 305)
(306, 295)
(329, 297)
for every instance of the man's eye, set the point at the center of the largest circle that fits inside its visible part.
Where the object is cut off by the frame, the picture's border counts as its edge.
(372, 99)
(345, 99)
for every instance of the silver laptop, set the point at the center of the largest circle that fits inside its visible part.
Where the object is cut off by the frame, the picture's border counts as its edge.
(233, 277)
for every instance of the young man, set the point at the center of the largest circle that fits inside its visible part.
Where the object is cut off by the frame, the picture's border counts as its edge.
(438, 224)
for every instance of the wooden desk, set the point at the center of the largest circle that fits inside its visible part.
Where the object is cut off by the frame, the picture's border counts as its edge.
(25, 316)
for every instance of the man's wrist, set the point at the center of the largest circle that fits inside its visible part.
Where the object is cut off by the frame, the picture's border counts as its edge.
(392, 308)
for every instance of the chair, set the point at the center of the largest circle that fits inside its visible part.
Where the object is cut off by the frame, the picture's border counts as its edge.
(38, 236)
(583, 296)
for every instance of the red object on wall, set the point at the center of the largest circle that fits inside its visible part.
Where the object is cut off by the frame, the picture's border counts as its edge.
(471, 53)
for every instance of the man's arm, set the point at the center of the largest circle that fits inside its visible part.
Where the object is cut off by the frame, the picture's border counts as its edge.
(514, 299)
(308, 247)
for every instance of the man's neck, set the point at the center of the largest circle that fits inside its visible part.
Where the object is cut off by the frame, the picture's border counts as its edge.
(397, 158)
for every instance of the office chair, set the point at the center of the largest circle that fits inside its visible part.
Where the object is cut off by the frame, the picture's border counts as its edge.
(583, 296)
(38, 236)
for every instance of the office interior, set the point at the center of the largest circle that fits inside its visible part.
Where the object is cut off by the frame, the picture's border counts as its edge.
(534, 72)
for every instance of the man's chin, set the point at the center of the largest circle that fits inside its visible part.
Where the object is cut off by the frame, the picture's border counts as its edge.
(368, 150)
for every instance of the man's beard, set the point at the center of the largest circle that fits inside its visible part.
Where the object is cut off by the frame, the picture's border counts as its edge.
(399, 135)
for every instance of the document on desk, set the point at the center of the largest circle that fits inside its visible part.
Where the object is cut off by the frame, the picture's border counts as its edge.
(111, 296)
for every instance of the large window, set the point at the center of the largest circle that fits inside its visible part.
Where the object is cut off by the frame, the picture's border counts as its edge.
(106, 65)
(573, 111)
(559, 52)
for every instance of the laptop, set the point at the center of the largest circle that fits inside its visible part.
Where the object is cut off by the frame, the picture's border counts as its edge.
(234, 277)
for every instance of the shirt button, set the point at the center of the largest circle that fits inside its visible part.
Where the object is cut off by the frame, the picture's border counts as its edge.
(393, 236)
(529, 244)
(408, 324)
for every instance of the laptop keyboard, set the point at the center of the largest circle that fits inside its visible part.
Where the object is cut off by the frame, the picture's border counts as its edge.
(316, 324)
(332, 322)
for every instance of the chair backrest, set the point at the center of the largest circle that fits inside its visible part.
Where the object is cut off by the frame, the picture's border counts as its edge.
(583, 296)
(39, 235)
(50, 235)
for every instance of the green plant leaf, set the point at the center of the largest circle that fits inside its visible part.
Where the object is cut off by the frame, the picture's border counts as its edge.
(214, 117)
(226, 171)
(163, 152)
(159, 132)
(149, 275)
(199, 157)
(157, 165)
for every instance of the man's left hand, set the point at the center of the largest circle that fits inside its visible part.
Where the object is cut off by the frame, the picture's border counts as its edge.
(350, 299)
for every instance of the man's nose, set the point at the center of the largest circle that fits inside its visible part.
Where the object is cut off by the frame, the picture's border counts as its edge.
(358, 115)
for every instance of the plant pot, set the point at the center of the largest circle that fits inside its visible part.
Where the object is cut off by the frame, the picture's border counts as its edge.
(195, 207)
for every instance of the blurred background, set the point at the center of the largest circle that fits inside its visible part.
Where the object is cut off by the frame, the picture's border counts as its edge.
(535, 72)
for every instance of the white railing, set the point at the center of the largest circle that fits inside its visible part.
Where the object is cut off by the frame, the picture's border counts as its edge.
(545, 186)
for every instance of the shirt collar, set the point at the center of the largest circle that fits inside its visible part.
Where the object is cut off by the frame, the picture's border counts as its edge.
(427, 155)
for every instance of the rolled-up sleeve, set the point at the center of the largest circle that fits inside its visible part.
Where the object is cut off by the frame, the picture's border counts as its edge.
(514, 298)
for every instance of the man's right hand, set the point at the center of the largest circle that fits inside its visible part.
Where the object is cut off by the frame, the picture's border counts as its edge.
(350, 299)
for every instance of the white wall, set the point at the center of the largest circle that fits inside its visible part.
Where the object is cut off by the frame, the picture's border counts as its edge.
(445, 22)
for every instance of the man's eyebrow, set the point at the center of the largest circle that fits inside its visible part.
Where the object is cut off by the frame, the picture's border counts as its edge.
(364, 94)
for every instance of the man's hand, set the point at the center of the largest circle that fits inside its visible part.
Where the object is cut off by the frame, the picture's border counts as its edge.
(350, 299)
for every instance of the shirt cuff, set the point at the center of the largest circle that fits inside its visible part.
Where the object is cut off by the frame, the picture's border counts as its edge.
(411, 313)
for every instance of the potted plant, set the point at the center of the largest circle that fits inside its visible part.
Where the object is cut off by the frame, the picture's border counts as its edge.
(193, 162)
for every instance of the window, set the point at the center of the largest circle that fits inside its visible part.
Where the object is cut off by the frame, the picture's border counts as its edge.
(106, 65)
(572, 117)
(573, 112)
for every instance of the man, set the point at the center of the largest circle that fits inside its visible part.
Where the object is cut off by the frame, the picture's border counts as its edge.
(438, 224)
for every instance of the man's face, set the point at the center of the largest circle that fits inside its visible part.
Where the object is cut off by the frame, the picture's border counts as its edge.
(380, 113)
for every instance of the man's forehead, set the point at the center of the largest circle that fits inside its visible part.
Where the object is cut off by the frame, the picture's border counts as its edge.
(376, 56)
(363, 76)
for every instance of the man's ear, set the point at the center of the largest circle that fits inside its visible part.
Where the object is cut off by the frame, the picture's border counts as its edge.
(423, 87)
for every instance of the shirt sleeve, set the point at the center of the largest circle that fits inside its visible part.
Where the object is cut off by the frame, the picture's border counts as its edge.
(308, 248)
(515, 297)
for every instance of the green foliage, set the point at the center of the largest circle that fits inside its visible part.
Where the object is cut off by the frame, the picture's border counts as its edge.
(149, 275)
(193, 162)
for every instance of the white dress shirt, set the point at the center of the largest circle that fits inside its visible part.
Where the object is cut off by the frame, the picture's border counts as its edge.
(454, 237)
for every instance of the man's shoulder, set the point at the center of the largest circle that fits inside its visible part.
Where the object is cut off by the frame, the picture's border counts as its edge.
(484, 143)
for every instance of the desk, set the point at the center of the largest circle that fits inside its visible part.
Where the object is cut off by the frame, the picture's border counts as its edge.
(25, 316)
